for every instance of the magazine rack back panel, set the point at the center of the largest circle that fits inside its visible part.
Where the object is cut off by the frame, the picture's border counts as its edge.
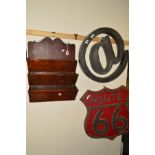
(51, 49)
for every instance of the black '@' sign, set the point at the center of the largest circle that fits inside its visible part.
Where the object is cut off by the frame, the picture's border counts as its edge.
(111, 59)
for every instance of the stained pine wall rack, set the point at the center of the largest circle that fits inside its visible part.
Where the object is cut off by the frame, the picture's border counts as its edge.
(33, 32)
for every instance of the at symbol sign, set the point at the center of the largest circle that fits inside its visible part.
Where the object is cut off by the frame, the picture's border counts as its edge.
(111, 59)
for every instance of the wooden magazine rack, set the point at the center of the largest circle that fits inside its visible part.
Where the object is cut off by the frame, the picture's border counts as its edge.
(51, 66)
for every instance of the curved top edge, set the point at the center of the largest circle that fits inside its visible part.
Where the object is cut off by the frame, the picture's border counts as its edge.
(49, 41)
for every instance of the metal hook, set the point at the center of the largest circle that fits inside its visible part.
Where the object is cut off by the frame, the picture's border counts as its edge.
(76, 35)
(53, 34)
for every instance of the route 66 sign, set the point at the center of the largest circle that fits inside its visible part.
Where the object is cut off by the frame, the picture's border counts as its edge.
(107, 112)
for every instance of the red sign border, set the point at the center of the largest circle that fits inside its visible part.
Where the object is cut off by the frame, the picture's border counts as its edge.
(105, 89)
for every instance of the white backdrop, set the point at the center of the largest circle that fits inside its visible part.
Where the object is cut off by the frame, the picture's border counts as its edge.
(57, 128)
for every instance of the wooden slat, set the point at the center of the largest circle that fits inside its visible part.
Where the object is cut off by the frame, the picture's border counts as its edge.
(47, 78)
(35, 65)
(59, 94)
(64, 35)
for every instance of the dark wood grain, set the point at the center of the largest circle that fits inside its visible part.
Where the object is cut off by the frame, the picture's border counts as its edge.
(50, 49)
(48, 78)
(48, 94)
(51, 65)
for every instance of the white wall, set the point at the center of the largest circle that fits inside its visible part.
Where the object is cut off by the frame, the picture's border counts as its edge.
(57, 128)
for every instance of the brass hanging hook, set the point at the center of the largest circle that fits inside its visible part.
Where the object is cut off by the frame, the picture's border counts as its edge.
(53, 34)
(76, 35)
